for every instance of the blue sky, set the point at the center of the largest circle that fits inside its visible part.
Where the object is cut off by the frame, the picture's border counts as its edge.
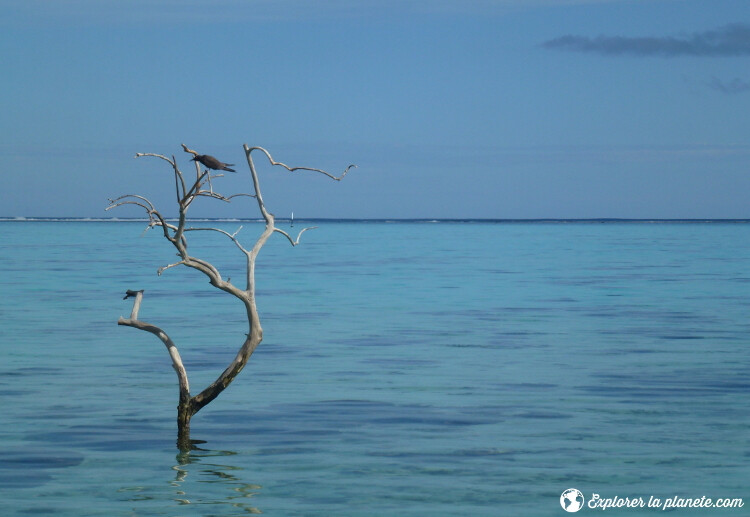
(477, 108)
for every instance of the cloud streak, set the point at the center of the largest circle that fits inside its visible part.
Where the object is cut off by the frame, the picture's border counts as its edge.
(732, 87)
(729, 40)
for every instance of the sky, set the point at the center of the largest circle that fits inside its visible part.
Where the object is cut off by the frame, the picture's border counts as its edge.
(450, 109)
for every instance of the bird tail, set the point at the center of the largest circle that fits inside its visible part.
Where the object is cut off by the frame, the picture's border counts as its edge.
(228, 169)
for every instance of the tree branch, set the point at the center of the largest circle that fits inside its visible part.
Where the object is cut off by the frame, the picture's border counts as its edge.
(164, 268)
(240, 195)
(292, 169)
(136, 196)
(138, 155)
(188, 150)
(154, 217)
(295, 241)
(230, 235)
(174, 354)
(196, 186)
(178, 179)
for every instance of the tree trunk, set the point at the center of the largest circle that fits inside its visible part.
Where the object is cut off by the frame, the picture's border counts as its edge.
(184, 414)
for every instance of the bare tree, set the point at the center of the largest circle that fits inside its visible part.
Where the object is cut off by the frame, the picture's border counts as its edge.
(176, 234)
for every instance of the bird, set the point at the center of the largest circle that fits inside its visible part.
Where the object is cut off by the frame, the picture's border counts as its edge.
(212, 163)
(130, 293)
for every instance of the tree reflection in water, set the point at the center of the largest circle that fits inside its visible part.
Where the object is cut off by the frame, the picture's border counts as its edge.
(202, 466)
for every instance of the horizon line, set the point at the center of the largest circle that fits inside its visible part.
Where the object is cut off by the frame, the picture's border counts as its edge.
(393, 219)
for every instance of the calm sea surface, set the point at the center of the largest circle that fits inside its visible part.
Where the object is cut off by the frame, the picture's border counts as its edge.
(407, 370)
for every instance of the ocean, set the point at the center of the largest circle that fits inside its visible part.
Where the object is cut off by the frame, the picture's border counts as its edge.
(408, 368)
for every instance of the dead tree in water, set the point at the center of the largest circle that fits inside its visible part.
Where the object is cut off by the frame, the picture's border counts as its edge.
(176, 234)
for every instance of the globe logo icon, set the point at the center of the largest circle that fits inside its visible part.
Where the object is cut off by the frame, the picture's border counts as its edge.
(571, 500)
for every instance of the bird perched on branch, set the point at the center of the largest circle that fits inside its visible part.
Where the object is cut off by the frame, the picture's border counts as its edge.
(212, 163)
(130, 293)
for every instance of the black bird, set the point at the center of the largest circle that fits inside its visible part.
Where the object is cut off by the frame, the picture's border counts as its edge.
(212, 163)
(130, 293)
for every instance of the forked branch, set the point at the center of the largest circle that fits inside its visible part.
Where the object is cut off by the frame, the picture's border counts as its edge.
(294, 242)
(176, 235)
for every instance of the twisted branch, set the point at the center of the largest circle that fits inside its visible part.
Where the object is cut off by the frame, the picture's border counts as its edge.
(292, 169)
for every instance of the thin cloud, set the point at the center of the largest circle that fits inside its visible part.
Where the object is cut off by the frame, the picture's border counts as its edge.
(732, 87)
(729, 40)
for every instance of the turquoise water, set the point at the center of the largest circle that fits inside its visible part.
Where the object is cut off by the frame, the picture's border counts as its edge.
(407, 370)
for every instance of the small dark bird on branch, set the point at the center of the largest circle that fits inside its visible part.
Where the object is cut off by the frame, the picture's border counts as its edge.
(130, 293)
(212, 163)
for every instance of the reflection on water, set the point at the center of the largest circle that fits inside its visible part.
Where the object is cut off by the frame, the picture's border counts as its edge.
(202, 465)
(202, 478)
